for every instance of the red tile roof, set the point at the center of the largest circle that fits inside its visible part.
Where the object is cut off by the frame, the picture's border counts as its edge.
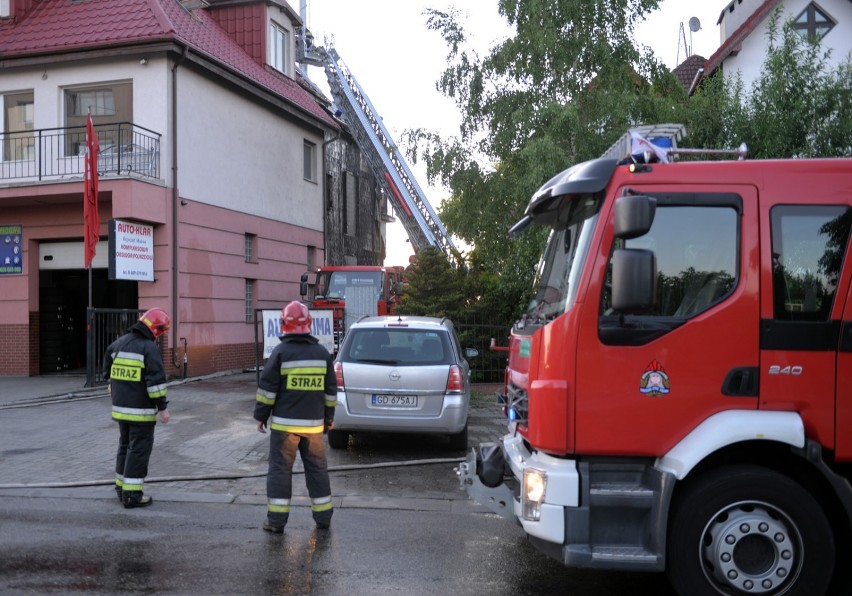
(55, 26)
(686, 70)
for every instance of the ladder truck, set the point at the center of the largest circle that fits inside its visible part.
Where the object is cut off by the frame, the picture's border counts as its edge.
(421, 223)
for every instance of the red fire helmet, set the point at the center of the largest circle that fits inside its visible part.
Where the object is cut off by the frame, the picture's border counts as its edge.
(296, 318)
(157, 321)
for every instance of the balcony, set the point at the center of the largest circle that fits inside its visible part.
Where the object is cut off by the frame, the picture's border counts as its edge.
(59, 153)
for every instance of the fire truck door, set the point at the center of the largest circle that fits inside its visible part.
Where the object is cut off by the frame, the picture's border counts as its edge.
(805, 347)
(645, 379)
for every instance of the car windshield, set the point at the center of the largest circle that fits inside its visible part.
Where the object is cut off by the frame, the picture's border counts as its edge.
(563, 260)
(397, 347)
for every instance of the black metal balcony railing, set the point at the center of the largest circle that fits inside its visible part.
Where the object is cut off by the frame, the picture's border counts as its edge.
(51, 153)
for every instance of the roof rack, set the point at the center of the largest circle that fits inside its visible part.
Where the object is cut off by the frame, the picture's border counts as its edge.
(659, 143)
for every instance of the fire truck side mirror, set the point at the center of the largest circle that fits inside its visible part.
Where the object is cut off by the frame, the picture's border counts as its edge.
(303, 285)
(634, 280)
(634, 215)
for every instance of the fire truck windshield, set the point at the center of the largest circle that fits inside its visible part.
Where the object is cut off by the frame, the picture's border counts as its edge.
(562, 262)
(334, 284)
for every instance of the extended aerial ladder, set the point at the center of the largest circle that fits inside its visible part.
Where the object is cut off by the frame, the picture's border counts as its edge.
(420, 221)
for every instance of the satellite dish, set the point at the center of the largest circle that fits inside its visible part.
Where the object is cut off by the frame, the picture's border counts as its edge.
(694, 24)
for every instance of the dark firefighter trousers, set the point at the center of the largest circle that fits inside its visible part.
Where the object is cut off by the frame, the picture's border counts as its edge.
(279, 481)
(131, 462)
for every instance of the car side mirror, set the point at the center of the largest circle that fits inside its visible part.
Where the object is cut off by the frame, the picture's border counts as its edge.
(471, 352)
(303, 285)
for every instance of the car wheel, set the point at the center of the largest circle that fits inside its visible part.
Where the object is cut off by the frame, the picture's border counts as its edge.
(338, 439)
(749, 530)
(458, 441)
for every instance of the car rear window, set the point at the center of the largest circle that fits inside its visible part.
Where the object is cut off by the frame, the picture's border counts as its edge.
(400, 347)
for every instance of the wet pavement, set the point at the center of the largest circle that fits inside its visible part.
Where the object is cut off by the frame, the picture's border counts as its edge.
(57, 440)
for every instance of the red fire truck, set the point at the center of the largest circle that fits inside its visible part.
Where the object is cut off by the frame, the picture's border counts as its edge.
(352, 291)
(679, 391)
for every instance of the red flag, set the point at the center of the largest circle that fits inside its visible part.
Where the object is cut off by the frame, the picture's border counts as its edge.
(91, 219)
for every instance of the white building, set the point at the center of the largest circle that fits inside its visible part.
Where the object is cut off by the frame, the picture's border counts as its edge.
(744, 26)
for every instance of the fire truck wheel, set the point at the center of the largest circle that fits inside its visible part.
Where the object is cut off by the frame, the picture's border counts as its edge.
(748, 530)
(338, 439)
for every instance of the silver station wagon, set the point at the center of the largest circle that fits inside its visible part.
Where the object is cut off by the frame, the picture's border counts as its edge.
(402, 374)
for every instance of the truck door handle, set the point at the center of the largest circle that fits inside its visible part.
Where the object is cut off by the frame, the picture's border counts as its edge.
(742, 381)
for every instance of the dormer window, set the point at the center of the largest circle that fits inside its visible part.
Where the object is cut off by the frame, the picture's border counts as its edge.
(279, 45)
(813, 23)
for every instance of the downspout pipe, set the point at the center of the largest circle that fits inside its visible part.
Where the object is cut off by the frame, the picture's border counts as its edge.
(175, 202)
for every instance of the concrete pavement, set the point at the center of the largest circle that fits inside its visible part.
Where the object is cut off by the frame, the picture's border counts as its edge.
(57, 440)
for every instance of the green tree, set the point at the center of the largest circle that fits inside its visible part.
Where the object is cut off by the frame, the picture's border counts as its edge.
(567, 84)
(521, 124)
(433, 287)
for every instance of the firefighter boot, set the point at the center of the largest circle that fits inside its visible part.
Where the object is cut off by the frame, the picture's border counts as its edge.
(137, 501)
(271, 528)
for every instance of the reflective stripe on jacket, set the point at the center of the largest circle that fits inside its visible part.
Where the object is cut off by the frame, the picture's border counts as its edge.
(298, 387)
(134, 367)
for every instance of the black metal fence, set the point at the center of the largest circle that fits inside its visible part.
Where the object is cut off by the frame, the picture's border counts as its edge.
(104, 326)
(489, 366)
(60, 152)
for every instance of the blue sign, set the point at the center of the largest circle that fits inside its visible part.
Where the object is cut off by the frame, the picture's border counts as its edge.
(11, 250)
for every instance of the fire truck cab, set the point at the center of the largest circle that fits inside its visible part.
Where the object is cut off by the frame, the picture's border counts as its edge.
(352, 291)
(679, 391)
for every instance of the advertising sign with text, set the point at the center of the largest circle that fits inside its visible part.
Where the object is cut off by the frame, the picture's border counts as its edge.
(11, 257)
(322, 329)
(131, 251)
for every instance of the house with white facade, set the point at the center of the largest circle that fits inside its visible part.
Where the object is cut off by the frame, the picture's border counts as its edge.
(214, 185)
(744, 27)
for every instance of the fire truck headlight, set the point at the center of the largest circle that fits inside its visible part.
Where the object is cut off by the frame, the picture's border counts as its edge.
(534, 487)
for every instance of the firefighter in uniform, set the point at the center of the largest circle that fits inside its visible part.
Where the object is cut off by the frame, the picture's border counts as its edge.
(134, 367)
(296, 396)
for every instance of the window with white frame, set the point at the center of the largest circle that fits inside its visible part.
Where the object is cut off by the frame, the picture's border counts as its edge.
(813, 23)
(18, 110)
(310, 160)
(278, 43)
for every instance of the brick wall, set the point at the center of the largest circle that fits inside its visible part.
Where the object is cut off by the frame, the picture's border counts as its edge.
(204, 360)
(15, 357)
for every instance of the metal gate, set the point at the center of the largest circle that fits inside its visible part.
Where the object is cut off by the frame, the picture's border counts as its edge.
(104, 326)
(489, 366)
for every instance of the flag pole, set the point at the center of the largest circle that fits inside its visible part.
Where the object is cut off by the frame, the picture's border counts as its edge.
(88, 148)
(91, 220)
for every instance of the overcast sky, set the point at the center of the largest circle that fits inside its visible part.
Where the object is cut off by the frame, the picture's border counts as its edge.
(396, 59)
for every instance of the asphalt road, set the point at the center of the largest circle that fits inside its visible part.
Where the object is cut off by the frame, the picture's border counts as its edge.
(61, 546)
(401, 525)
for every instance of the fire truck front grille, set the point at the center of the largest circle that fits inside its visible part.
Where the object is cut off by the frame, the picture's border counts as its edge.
(517, 404)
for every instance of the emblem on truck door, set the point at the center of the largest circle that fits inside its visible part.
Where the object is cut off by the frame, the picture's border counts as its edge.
(655, 381)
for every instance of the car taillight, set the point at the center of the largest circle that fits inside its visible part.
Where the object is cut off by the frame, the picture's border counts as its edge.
(338, 372)
(455, 382)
